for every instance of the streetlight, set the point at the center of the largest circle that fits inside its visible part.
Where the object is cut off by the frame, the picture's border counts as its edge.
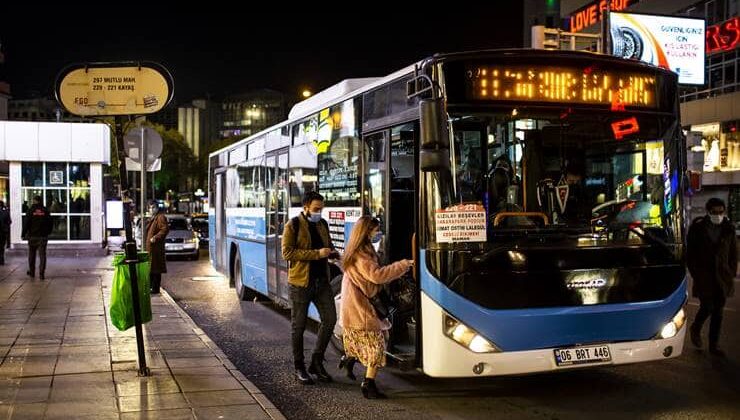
(306, 93)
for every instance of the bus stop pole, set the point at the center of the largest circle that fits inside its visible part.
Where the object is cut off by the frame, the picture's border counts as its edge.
(130, 246)
(142, 193)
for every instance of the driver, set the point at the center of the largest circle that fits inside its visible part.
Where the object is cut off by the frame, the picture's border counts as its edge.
(576, 205)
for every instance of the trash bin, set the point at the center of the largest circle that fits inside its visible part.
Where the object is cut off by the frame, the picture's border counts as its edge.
(121, 302)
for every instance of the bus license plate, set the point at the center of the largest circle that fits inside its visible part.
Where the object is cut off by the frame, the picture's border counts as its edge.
(581, 355)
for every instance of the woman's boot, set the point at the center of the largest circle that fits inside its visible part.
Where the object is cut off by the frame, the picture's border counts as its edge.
(348, 363)
(370, 391)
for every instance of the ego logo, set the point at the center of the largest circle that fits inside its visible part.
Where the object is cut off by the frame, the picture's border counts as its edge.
(586, 284)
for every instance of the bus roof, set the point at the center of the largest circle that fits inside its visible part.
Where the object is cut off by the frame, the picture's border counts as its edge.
(329, 95)
(332, 95)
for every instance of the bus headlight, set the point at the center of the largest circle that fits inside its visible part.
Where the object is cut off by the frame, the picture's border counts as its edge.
(671, 328)
(466, 336)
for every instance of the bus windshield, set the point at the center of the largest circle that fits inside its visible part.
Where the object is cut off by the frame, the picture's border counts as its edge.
(594, 175)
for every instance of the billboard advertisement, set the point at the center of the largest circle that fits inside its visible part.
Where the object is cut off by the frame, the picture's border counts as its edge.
(672, 43)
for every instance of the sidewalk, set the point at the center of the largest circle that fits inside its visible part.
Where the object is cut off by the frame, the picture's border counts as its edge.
(60, 357)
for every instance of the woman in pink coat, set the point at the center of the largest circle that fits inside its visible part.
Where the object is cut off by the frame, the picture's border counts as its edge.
(363, 278)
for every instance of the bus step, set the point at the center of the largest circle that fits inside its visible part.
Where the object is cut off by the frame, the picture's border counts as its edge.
(404, 361)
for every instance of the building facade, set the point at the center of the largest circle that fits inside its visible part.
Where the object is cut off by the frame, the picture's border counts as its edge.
(248, 113)
(710, 113)
(199, 124)
(63, 164)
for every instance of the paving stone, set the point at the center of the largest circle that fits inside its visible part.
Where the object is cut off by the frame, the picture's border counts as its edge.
(216, 398)
(161, 382)
(207, 382)
(27, 411)
(82, 363)
(176, 414)
(95, 385)
(251, 411)
(152, 402)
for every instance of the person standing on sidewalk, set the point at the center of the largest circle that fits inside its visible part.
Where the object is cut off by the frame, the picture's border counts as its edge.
(4, 230)
(36, 230)
(712, 262)
(156, 232)
(307, 247)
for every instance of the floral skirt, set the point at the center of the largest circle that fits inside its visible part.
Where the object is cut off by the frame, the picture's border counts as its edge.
(366, 346)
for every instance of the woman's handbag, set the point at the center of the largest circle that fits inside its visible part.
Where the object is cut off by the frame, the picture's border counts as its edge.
(382, 304)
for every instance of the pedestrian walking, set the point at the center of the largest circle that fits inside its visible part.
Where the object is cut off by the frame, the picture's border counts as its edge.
(307, 247)
(363, 332)
(4, 230)
(156, 233)
(36, 230)
(712, 262)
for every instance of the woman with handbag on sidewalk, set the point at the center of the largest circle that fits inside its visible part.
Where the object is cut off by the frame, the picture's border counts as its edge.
(363, 330)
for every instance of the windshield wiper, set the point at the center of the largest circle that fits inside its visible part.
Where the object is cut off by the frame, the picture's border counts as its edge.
(480, 259)
(650, 237)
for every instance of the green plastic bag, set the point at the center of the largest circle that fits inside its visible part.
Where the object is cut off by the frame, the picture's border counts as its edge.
(121, 304)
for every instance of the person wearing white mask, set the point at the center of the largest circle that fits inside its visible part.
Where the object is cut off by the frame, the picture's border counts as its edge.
(307, 246)
(712, 262)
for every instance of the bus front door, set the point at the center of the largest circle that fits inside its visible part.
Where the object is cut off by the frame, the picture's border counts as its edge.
(277, 204)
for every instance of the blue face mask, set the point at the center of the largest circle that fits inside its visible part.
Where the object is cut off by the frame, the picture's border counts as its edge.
(314, 217)
(375, 239)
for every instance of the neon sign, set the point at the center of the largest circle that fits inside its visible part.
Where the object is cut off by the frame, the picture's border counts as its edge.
(625, 127)
(724, 36)
(594, 13)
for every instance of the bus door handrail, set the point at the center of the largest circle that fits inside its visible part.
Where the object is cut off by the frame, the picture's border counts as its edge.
(414, 256)
(505, 214)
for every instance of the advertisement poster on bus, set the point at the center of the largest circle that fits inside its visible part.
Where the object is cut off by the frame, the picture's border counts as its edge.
(461, 223)
(673, 43)
(341, 221)
(246, 223)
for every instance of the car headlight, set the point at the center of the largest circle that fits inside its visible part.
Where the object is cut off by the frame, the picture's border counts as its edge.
(672, 327)
(191, 240)
(466, 336)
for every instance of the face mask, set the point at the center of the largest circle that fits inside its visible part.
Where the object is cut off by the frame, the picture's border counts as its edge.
(375, 239)
(314, 217)
(716, 218)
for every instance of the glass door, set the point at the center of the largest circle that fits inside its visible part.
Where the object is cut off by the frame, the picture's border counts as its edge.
(278, 200)
(376, 183)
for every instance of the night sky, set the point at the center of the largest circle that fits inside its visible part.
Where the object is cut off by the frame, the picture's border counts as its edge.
(230, 49)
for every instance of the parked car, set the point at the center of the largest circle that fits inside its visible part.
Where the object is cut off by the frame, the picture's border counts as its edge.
(200, 225)
(182, 239)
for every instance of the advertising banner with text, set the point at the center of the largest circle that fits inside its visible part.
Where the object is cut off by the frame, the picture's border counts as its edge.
(676, 44)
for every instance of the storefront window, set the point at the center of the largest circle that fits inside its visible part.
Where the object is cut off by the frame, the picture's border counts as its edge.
(33, 175)
(65, 190)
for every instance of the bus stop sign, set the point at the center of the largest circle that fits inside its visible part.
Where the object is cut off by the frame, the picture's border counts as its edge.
(108, 89)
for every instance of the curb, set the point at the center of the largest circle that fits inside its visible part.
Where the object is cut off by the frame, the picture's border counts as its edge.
(256, 393)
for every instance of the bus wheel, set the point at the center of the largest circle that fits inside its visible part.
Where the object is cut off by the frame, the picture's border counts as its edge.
(242, 291)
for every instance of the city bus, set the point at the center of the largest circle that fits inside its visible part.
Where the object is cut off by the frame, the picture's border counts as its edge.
(539, 192)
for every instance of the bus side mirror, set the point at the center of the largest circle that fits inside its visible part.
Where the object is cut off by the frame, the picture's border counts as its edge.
(435, 139)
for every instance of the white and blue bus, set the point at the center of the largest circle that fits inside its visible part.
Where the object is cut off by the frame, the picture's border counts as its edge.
(538, 191)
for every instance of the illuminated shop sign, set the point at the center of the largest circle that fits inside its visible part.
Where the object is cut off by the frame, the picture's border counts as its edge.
(672, 43)
(594, 13)
(562, 85)
(724, 36)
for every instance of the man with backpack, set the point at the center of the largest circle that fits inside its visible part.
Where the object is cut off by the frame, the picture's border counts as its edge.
(307, 247)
